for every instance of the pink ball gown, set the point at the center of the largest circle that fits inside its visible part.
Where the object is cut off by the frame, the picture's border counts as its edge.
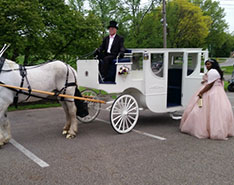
(214, 119)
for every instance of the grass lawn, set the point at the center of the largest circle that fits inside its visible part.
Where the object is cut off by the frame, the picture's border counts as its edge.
(227, 70)
(34, 105)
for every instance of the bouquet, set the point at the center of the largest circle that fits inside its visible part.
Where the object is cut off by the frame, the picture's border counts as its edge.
(123, 70)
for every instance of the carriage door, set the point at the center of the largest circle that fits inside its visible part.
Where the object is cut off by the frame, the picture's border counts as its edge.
(154, 72)
(174, 79)
(192, 74)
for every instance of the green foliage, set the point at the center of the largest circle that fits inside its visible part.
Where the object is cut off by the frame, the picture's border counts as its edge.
(187, 26)
(35, 105)
(150, 35)
(106, 10)
(227, 46)
(216, 37)
(227, 70)
(42, 29)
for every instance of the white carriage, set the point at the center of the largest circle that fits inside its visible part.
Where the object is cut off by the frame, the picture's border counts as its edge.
(161, 80)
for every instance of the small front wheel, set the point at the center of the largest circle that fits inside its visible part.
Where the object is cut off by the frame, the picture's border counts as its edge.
(124, 114)
(93, 107)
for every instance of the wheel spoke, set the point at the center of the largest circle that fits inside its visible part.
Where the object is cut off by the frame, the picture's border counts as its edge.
(117, 117)
(116, 110)
(131, 105)
(118, 121)
(128, 103)
(131, 117)
(124, 121)
(134, 108)
(129, 121)
(132, 113)
(120, 103)
(121, 123)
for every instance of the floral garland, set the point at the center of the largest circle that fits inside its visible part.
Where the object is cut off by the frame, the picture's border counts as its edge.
(123, 70)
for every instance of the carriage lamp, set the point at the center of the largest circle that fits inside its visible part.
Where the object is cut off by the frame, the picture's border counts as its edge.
(146, 56)
(86, 73)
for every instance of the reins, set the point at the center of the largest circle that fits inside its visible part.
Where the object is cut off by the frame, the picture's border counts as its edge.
(87, 55)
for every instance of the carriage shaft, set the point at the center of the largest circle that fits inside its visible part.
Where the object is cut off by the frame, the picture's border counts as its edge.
(52, 93)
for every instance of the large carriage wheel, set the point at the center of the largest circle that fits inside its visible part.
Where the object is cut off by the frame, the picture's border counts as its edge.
(93, 107)
(124, 114)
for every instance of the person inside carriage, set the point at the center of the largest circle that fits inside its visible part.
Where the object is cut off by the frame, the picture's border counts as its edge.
(112, 47)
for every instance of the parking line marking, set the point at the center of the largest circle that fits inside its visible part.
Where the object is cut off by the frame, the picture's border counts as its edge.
(137, 131)
(149, 135)
(102, 120)
(29, 154)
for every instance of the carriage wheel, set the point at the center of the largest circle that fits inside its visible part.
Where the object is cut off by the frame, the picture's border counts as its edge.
(124, 114)
(93, 107)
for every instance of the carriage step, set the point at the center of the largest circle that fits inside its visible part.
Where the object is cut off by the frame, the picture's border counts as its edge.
(176, 116)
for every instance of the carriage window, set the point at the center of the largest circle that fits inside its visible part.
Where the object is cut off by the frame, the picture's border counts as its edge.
(175, 60)
(192, 62)
(157, 63)
(137, 60)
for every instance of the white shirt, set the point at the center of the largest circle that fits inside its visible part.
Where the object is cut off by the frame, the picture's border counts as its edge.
(111, 39)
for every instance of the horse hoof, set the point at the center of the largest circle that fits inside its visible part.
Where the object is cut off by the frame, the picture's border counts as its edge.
(64, 132)
(69, 136)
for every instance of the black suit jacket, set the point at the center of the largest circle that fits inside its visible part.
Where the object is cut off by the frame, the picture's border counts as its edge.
(116, 48)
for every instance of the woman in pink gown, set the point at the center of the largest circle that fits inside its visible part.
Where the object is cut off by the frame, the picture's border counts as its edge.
(214, 119)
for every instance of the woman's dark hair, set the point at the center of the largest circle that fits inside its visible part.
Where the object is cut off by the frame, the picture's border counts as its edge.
(215, 65)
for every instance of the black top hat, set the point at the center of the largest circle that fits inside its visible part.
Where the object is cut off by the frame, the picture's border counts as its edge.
(113, 24)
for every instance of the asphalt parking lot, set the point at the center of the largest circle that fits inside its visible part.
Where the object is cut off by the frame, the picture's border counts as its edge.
(154, 153)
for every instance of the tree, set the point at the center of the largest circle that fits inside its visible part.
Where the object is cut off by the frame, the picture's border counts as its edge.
(42, 29)
(77, 5)
(21, 25)
(227, 47)
(133, 18)
(218, 27)
(106, 10)
(151, 30)
(187, 26)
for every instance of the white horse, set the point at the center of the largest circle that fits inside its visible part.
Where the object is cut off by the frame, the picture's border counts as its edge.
(51, 76)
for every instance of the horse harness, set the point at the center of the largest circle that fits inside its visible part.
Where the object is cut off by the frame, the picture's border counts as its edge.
(23, 73)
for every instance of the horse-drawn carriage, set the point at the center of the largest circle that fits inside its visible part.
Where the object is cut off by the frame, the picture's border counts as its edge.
(161, 80)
